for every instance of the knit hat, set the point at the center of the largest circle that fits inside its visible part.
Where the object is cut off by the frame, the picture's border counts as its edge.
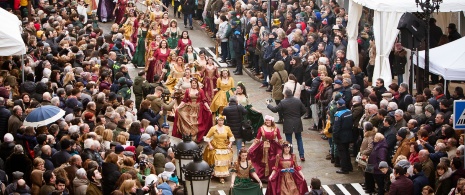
(147, 150)
(119, 149)
(429, 108)
(383, 164)
(8, 137)
(144, 137)
(169, 166)
(404, 164)
(150, 130)
(402, 133)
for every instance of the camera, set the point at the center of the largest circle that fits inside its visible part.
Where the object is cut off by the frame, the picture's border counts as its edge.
(166, 95)
(269, 100)
(143, 164)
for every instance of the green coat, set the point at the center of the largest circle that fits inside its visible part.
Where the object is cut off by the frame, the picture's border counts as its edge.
(125, 92)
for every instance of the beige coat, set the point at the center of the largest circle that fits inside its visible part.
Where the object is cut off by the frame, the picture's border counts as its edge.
(367, 142)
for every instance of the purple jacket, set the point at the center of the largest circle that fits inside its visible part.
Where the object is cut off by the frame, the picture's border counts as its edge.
(378, 154)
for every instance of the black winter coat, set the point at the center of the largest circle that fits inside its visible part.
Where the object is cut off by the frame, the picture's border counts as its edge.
(233, 118)
(4, 116)
(110, 174)
(19, 162)
(292, 109)
(6, 149)
(48, 164)
(343, 122)
(405, 99)
(188, 6)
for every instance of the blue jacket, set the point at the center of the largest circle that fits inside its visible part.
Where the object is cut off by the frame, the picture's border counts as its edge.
(165, 188)
(419, 181)
(343, 122)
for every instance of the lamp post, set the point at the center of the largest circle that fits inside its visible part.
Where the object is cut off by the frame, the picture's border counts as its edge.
(184, 153)
(428, 7)
(197, 174)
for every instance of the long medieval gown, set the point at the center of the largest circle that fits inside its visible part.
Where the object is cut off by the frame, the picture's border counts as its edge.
(210, 75)
(173, 37)
(256, 118)
(121, 11)
(173, 78)
(286, 180)
(182, 46)
(157, 64)
(263, 154)
(243, 184)
(221, 98)
(193, 118)
(164, 27)
(221, 156)
(139, 56)
(105, 10)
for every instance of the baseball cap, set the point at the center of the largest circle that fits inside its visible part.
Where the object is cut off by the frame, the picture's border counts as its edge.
(341, 102)
(355, 86)
(339, 82)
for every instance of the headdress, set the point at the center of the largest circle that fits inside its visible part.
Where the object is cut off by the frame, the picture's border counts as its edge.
(221, 117)
(268, 117)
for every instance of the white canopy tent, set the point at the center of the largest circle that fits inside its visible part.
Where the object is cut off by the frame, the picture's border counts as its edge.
(446, 60)
(386, 19)
(11, 42)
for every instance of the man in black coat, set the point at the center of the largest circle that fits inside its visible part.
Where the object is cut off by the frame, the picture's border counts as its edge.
(405, 98)
(342, 135)
(234, 114)
(292, 109)
(63, 155)
(4, 116)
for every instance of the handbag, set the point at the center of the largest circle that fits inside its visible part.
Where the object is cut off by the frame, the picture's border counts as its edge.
(246, 127)
(370, 168)
(359, 159)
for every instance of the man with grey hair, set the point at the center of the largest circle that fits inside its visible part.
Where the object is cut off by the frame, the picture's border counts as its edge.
(15, 121)
(234, 114)
(4, 116)
(405, 98)
(46, 99)
(55, 101)
(392, 106)
(163, 147)
(292, 110)
(399, 118)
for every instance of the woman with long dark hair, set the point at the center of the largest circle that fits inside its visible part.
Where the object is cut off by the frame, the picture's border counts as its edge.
(254, 115)
(287, 176)
(241, 172)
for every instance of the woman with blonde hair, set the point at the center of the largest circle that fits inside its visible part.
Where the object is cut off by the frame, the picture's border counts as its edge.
(36, 175)
(128, 187)
(219, 152)
(107, 137)
(99, 130)
(69, 79)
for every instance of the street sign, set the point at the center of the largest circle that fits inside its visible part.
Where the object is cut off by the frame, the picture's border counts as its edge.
(459, 114)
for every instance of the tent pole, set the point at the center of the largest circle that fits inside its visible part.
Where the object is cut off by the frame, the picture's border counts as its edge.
(22, 65)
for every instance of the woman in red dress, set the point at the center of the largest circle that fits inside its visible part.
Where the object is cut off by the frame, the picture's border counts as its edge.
(193, 116)
(158, 61)
(287, 177)
(165, 23)
(265, 147)
(210, 75)
(120, 11)
(183, 42)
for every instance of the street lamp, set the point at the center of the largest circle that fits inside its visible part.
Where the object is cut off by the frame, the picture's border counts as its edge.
(184, 153)
(198, 174)
(428, 7)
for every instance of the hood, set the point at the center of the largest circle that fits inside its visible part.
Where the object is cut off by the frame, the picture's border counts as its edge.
(371, 133)
(138, 80)
(262, 21)
(278, 66)
(164, 186)
(80, 182)
(446, 175)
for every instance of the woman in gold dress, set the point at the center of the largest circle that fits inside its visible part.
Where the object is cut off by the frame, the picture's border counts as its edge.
(225, 87)
(176, 73)
(219, 152)
(193, 116)
(151, 42)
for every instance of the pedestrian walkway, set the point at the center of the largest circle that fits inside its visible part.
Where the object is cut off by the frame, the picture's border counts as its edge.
(334, 189)
(210, 52)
